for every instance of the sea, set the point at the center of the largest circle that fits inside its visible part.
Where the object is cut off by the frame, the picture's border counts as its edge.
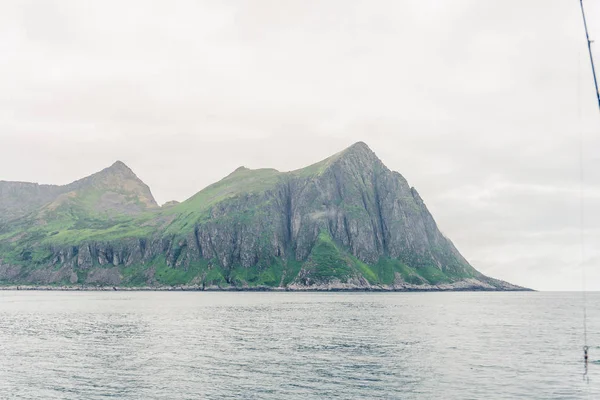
(297, 345)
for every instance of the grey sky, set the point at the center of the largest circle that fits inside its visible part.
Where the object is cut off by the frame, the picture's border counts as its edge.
(479, 104)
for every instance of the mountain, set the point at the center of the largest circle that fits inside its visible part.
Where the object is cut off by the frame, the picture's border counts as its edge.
(114, 190)
(347, 222)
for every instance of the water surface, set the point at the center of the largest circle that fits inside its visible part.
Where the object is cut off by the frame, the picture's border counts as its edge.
(191, 345)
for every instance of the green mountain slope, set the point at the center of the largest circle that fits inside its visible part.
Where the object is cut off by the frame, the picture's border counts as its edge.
(347, 222)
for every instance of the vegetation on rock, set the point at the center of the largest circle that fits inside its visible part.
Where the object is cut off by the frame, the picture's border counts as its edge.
(347, 222)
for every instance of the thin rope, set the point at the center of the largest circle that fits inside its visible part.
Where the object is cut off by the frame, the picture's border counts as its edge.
(589, 44)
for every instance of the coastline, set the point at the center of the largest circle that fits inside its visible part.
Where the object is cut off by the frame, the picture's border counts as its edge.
(316, 289)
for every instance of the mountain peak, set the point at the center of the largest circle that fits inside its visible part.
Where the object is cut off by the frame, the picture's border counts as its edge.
(358, 155)
(117, 172)
(359, 149)
(359, 146)
(120, 190)
(119, 166)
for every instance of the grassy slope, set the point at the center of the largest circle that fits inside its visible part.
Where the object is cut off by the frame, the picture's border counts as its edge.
(242, 181)
(74, 221)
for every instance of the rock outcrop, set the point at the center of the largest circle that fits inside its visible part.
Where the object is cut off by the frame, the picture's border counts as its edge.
(345, 223)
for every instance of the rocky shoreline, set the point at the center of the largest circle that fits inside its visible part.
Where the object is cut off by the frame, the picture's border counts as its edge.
(470, 285)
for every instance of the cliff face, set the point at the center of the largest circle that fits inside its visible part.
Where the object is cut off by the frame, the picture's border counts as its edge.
(347, 222)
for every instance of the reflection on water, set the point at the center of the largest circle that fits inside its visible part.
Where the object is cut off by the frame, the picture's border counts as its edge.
(151, 345)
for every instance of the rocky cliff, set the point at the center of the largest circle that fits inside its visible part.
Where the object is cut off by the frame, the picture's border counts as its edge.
(347, 222)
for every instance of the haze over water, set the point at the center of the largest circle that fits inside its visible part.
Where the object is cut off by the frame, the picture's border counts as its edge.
(190, 345)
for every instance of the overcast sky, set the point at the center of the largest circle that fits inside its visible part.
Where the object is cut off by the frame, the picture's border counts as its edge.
(479, 104)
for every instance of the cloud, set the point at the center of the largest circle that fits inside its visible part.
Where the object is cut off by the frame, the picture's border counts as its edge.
(478, 105)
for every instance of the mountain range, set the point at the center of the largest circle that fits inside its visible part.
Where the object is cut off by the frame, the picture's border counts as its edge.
(344, 223)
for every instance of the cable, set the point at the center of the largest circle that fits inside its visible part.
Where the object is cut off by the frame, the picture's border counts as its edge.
(589, 45)
(581, 189)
